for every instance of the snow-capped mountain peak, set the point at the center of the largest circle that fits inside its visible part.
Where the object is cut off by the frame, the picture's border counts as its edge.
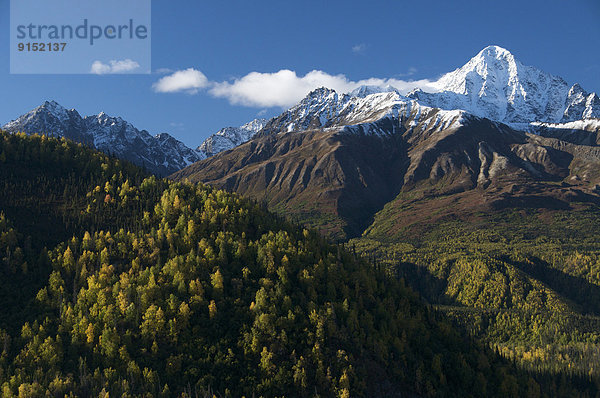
(230, 137)
(370, 114)
(52, 107)
(254, 125)
(162, 155)
(494, 84)
(491, 70)
(49, 118)
(364, 91)
(319, 94)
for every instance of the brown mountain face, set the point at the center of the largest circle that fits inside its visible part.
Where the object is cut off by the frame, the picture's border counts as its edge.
(338, 178)
(330, 180)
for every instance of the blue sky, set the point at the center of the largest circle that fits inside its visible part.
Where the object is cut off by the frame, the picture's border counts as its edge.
(252, 58)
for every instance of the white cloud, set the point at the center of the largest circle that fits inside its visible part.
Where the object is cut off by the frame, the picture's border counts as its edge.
(114, 66)
(189, 81)
(285, 88)
(279, 89)
(359, 48)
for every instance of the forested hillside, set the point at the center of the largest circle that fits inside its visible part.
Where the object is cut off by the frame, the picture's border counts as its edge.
(115, 283)
(524, 281)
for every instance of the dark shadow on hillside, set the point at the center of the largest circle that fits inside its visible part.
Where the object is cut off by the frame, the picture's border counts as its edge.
(579, 137)
(581, 292)
(374, 171)
(429, 287)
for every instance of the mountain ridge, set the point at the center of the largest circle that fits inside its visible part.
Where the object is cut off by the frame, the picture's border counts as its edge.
(161, 154)
(494, 84)
(301, 162)
(230, 137)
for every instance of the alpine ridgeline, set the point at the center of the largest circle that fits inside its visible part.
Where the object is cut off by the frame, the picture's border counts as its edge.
(334, 160)
(161, 154)
(492, 85)
(495, 85)
(230, 137)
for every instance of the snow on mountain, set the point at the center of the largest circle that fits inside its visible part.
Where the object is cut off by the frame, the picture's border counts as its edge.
(52, 119)
(230, 137)
(161, 154)
(364, 91)
(580, 132)
(324, 108)
(492, 85)
(495, 85)
(591, 125)
(581, 105)
(176, 151)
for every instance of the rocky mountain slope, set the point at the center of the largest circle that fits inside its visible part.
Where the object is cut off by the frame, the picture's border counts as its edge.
(334, 160)
(230, 137)
(161, 154)
(336, 177)
(495, 85)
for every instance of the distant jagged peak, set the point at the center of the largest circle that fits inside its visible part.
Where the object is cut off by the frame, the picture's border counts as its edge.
(162, 154)
(251, 127)
(325, 94)
(495, 69)
(51, 105)
(255, 125)
(576, 89)
(230, 137)
(319, 95)
(496, 85)
(50, 118)
(320, 92)
(103, 118)
(366, 90)
(53, 108)
(164, 137)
